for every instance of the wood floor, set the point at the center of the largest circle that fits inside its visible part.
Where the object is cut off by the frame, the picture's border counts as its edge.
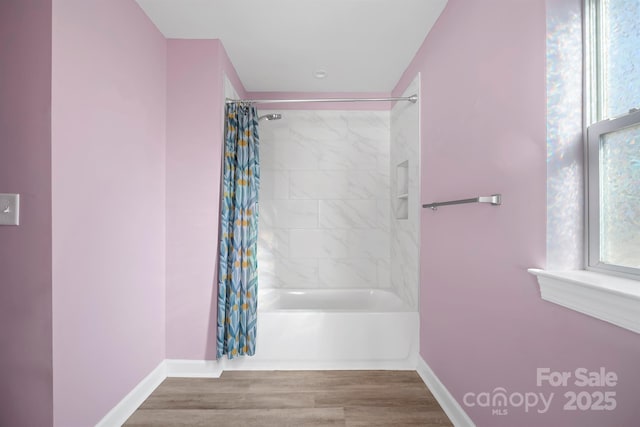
(293, 398)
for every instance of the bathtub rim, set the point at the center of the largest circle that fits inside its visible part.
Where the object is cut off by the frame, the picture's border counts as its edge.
(404, 307)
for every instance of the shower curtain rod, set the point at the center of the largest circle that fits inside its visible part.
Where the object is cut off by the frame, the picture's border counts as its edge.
(412, 99)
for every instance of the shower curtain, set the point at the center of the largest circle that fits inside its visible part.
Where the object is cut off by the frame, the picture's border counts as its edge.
(237, 263)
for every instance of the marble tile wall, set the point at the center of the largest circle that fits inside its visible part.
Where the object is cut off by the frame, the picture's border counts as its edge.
(405, 233)
(324, 200)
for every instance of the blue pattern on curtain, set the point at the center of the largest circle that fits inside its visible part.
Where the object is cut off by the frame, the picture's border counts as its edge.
(237, 264)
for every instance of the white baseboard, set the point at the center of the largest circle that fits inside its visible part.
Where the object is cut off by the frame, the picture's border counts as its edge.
(194, 368)
(449, 405)
(127, 406)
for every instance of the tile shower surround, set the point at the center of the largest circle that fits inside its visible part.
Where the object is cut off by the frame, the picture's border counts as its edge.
(325, 200)
(405, 233)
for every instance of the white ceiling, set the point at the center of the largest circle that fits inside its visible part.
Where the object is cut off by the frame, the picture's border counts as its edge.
(276, 45)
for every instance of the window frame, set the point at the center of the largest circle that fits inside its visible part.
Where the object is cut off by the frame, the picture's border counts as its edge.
(595, 127)
(594, 134)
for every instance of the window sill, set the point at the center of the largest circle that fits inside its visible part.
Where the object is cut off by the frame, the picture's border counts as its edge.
(612, 299)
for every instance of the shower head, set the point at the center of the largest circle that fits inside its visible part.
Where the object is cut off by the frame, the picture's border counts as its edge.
(273, 116)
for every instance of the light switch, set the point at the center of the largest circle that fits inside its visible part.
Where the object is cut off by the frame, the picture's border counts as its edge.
(9, 209)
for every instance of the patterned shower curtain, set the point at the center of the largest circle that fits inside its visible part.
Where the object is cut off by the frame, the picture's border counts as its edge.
(237, 264)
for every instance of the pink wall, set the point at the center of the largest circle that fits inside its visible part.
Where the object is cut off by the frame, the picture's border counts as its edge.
(195, 93)
(25, 251)
(483, 131)
(108, 180)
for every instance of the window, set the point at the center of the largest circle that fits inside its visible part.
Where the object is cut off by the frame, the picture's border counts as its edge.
(613, 136)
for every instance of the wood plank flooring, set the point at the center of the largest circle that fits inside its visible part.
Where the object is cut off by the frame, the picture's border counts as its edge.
(293, 398)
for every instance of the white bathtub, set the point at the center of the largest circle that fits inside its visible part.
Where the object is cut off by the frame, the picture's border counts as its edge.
(332, 329)
(329, 300)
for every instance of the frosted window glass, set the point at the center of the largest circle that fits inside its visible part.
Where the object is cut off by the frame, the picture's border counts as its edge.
(620, 197)
(621, 56)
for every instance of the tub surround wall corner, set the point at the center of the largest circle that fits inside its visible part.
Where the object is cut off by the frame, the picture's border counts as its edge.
(405, 197)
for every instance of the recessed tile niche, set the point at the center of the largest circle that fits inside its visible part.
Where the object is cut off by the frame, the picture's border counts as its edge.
(402, 190)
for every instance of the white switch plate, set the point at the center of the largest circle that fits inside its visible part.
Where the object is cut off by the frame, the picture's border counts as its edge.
(9, 209)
